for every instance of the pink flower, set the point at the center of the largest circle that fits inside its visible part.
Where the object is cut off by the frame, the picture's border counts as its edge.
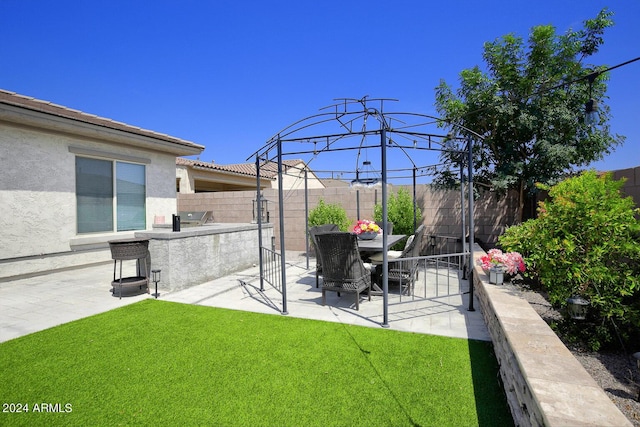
(366, 226)
(511, 262)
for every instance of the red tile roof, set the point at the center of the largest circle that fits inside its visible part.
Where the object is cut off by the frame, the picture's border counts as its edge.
(269, 170)
(33, 104)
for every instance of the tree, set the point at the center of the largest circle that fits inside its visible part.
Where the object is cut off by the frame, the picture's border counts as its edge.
(529, 107)
(585, 242)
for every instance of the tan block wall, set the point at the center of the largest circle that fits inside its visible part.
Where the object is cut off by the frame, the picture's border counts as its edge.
(632, 185)
(440, 210)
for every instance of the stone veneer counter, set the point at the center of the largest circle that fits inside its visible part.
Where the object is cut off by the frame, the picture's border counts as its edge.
(196, 255)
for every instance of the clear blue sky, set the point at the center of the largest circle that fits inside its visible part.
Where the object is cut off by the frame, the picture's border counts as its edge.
(229, 75)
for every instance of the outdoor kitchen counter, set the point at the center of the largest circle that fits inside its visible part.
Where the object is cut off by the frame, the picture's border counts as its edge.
(196, 255)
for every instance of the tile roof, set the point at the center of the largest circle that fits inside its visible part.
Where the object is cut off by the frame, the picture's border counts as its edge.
(33, 104)
(269, 170)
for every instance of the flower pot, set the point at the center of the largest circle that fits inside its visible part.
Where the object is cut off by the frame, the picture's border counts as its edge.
(367, 235)
(496, 275)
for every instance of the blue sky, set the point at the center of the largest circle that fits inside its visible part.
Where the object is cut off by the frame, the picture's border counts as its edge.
(229, 75)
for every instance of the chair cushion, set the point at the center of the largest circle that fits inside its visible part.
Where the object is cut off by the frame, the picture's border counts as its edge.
(377, 257)
(409, 240)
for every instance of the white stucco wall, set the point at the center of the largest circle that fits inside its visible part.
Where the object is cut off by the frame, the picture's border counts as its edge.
(37, 191)
(186, 180)
(294, 180)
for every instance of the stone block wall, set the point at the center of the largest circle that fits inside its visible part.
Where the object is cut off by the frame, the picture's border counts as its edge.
(632, 185)
(544, 383)
(440, 209)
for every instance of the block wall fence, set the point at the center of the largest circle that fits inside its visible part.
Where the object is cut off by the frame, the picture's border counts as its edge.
(440, 210)
(632, 184)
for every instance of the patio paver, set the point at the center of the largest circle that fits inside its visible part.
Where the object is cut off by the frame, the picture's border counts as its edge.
(31, 304)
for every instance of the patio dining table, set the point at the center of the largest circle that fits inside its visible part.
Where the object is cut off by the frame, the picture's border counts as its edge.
(375, 245)
(367, 247)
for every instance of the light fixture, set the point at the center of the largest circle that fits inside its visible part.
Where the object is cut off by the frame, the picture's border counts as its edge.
(264, 209)
(591, 106)
(155, 277)
(369, 181)
(577, 307)
(591, 112)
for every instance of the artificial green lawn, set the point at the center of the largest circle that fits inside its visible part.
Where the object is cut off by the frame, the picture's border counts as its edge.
(162, 363)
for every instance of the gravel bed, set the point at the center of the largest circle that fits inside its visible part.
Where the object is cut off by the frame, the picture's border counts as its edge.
(616, 373)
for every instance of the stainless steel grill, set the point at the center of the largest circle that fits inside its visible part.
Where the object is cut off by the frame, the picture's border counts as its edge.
(194, 218)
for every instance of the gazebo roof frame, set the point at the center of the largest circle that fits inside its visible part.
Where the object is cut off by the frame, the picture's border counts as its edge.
(348, 113)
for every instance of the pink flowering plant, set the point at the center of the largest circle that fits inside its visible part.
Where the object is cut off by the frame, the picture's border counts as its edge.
(366, 226)
(511, 262)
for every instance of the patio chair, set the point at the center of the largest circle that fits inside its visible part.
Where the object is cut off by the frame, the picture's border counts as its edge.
(313, 231)
(404, 272)
(342, 267)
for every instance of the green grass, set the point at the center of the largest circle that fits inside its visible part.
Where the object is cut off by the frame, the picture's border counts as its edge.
(162, 363)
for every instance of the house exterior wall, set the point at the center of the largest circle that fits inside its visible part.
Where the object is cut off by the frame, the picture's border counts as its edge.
(187, 184)
(209, 179)
(38, 199)
(294, 180)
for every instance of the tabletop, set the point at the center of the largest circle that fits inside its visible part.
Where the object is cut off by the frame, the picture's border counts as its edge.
(375, 245)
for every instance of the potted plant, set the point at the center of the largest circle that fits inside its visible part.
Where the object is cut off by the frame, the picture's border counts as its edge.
(366, 229)
(499, 263)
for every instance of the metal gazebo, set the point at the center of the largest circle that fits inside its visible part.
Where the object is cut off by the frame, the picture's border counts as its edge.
(335, 128)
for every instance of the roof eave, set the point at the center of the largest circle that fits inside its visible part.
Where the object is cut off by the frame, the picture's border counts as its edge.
(18, 115)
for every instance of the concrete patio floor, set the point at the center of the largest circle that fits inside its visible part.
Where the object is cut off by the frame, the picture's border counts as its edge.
(32, 304)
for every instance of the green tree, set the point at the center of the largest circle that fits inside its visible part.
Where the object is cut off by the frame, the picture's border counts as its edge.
(529, 107)
(585, 241)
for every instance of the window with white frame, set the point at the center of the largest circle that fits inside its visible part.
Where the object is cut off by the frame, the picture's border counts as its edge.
(111, 195)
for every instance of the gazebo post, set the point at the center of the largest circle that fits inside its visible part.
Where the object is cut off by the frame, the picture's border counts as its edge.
(283, 263)
(471, 224)
(385, 260)
(259, 215)
(306, 213)
(462, 215)
(415, 201)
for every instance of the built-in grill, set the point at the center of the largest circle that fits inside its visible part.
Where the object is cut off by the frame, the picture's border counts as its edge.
(195, 218)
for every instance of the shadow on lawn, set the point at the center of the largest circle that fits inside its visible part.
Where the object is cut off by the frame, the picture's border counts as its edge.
(491, 401)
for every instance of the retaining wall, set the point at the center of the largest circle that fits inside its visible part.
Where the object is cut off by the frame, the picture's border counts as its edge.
(544, 383)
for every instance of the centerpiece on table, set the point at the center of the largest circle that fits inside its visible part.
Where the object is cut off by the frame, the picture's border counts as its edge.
(366, 230)
(499, 263)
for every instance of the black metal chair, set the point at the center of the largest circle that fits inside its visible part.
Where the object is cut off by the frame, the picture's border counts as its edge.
(342, 267)
(314, 231)
(405, 271)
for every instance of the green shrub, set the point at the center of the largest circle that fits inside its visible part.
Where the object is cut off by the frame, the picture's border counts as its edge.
(330, 213)
(399, 211)
(585, 242)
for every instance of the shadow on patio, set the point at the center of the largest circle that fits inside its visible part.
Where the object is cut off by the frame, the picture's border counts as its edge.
(438, 310)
